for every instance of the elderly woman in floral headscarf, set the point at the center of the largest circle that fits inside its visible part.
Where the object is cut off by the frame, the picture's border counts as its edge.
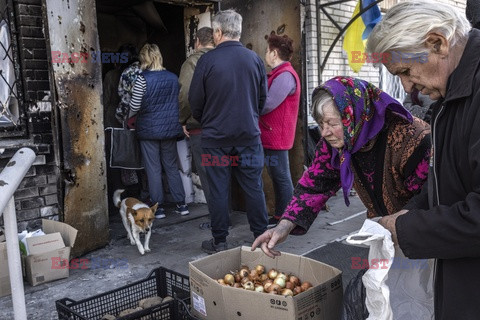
(370, 142)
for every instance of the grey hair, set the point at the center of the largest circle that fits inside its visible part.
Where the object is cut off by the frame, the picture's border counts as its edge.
(229, 22)
(205, 36)
(319, 101)
(405, 27)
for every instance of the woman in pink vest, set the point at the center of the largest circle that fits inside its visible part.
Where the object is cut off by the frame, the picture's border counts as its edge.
(278, 119)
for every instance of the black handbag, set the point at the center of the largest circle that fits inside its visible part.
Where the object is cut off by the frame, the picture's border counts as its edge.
(125, 150)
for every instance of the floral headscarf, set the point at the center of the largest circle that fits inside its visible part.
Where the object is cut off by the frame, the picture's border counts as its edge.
(362, 108)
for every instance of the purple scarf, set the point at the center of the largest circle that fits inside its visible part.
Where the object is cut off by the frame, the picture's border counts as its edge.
(362, 108)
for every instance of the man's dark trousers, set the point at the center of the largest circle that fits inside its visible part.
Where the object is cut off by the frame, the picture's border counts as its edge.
(246, 163)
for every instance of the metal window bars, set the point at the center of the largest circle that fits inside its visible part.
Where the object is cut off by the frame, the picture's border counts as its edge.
(12, 113)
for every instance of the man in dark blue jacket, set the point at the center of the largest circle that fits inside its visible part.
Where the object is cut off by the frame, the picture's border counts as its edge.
(227, 93)
(443, 221)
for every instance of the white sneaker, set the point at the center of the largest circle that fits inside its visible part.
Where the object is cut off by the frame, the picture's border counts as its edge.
(182, 209)
(160, 213)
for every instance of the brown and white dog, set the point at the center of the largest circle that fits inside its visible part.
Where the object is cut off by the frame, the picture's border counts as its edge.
(137, 218)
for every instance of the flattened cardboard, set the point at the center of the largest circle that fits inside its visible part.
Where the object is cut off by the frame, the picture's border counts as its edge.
(5, 288)
(213, 301)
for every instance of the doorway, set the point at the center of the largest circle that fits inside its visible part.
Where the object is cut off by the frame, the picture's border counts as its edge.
(169, 24)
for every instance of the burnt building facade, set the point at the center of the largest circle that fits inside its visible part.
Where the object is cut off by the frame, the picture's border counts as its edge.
(26, 116)
(54, 102)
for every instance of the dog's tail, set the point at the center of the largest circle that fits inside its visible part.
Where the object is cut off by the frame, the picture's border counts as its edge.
(116, 197)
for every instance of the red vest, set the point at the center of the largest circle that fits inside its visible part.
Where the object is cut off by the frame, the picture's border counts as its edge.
(278, 126)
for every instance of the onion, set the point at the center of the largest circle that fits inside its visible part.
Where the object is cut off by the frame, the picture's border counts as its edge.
(280, 281)
(286, 292)
(229, 279)
(244, 280)
(272, 274)
(289, 285)
(237, 285)
(297, 290)
(282, 275)
(237, 277)
(267, 284)
(249, 285)
(259, 288)
(306, 285)
(260, 269)
(221, 281)
(294, 280)
(274, 288)
(253, 275)
(244, 272)
(263, 277)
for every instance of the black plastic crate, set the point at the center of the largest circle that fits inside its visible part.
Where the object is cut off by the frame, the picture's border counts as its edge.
(160, 282)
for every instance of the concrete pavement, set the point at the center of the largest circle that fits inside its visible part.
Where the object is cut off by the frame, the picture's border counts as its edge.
(175, 242)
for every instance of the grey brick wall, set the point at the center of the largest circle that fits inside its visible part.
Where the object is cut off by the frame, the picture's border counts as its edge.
(33, 49)
(337, 63)
(36, 196)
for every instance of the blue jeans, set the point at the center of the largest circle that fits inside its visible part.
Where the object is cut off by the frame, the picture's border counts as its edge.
(247, 165)
(278, 168)
(158, 154)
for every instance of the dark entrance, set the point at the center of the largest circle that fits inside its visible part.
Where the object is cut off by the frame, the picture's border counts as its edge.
(168, 24)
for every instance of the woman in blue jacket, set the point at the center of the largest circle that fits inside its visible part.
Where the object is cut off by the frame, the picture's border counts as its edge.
(155, 103)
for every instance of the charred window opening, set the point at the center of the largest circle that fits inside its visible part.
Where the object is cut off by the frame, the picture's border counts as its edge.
(12, 104)
(169, 24)
(165, 23)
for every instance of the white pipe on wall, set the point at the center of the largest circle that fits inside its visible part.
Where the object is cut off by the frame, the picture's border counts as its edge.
(14, 262)
(10, 178)
(13, 174)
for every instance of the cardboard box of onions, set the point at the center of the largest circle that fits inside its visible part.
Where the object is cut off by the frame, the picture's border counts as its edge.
(241, 284)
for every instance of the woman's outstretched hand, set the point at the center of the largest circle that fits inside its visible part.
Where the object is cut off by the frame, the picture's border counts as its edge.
(271, 237)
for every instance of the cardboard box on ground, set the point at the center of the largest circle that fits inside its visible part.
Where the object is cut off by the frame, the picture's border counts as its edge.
(213, 301)
(49, 255)
(48, 259)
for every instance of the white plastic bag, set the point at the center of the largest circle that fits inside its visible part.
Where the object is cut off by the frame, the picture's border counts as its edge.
(185, 169)
(22, 238)
(397, 287)
(411, 287)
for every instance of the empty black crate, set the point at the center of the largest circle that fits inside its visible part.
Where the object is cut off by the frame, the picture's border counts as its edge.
(160, 282)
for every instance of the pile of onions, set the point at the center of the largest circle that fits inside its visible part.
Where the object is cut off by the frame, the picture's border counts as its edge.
(260, 280)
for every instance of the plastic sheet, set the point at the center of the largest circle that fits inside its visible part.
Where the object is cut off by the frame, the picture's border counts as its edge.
(354, 307)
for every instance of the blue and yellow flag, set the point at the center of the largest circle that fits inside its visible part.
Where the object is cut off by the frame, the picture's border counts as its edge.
(358, 32)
